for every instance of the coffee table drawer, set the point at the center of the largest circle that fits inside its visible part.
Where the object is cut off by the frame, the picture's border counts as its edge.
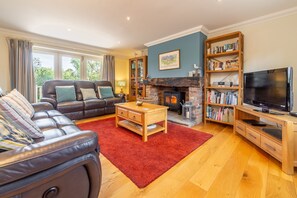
(122, 112)
(135, 116)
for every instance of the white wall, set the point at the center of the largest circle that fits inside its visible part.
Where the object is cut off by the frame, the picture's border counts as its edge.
(270, 43)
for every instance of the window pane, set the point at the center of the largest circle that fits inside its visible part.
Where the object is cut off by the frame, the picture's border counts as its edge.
(94, 69)
(43, 65)
(70, 68)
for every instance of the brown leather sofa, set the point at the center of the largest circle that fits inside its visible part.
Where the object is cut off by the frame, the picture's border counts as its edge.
(80, 108)
(65, 163)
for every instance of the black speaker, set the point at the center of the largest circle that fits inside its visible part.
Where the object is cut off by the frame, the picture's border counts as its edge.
(293, 114)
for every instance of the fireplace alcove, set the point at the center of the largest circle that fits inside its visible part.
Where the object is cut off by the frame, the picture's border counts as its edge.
(190, 86)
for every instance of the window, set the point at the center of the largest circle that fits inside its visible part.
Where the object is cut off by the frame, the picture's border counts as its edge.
(94, 69)
(71, 66)
(44, 69)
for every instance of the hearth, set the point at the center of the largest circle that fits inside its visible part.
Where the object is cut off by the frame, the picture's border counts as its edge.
(173, 100)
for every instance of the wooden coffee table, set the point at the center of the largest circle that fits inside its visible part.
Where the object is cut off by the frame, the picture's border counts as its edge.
(144, 120)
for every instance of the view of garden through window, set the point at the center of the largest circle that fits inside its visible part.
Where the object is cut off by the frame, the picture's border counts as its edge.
(47, 67)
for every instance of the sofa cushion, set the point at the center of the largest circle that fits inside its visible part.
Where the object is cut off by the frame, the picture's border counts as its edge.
(46, 124)
(94, 104)
(19, 120)
(10, 132)
(88, 94)
(19, 102)
(68, 107)
(105, 92)
(65, 93)
(39, 115)
(70, 129)
(111, 101)
(62, 121)
(53, 113)
(52, 133)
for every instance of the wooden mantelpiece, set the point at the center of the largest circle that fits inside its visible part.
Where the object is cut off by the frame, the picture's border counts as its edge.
(176, 82)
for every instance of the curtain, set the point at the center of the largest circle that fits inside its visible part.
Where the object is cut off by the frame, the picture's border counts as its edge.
(21, 67)
(109, 69)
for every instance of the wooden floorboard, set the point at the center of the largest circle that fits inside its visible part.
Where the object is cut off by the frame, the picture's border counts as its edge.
(225, 166)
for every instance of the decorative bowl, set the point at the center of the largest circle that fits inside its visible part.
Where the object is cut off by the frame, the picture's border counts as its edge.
(139, 103)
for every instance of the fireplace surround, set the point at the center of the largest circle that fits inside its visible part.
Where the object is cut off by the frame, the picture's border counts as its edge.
(190, 86)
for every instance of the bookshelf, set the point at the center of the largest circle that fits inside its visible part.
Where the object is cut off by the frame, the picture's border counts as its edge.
(223, 82)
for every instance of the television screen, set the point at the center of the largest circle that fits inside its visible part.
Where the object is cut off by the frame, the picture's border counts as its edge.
(269, 88)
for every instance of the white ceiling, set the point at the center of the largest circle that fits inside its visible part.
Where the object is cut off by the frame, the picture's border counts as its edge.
(102, 23)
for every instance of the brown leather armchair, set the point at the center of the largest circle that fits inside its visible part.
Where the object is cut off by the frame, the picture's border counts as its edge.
(65, 163)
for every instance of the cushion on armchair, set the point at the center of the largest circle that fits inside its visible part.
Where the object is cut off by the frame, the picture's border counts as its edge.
(88, 94)
(19, 120)
(65, 93)
(17, 101)
(105, 92)
(10, 132)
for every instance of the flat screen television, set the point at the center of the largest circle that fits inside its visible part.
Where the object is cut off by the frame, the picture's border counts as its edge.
(269, 88)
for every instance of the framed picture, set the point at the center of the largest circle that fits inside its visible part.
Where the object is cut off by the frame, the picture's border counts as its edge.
(169, 60)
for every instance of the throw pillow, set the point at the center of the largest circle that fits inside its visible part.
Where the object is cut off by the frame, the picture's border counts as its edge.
(105, 92)
(88, 93)
(17, 101)
(19, 120)
(10, 132)
(65, 93)
(6, 145)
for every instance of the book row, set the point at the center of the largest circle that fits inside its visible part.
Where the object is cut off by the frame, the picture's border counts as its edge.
(228, 98)
(220, 65)
(222, 114)
(223, 48)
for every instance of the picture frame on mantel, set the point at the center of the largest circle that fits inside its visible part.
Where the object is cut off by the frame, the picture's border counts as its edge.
(169, 60)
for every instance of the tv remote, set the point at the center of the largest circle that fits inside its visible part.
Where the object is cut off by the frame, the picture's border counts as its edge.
(293, 114)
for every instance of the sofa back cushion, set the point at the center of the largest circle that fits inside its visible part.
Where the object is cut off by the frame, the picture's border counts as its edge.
(49, 87)
(102, 83)
(65, 93)
(83, 84)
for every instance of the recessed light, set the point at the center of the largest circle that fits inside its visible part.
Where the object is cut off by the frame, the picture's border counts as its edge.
(69, 29)
(219, 0)
(128, 18)
(119, 42)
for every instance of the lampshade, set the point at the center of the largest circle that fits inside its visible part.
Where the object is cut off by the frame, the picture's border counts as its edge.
(121, 83)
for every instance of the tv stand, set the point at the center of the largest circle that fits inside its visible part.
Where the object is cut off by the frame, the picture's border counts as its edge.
(280, 140)
(270, 112)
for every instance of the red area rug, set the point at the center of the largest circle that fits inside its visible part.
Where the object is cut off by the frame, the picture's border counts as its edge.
(143, 162)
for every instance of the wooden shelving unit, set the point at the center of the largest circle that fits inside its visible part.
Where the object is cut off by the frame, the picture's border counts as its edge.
(137, 72)
(223, 62)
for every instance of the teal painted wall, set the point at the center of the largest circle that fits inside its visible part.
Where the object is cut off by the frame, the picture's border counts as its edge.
(191, 52)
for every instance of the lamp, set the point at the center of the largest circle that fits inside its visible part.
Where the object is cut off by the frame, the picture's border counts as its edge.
(121, 84)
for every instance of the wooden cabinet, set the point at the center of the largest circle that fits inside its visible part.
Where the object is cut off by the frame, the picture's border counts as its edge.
(280, 141)
(137, 72)
(223, 82)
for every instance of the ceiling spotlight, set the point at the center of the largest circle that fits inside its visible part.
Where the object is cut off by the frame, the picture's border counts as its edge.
(219, 0)
(128, 18)
(119, 42)
(69, 29)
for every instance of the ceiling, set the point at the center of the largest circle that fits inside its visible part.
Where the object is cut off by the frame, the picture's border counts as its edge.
(102, 23)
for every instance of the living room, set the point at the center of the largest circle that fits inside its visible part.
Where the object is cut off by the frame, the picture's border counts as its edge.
(269, 43)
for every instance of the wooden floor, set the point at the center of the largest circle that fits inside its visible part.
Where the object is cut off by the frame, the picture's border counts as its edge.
(225, 166)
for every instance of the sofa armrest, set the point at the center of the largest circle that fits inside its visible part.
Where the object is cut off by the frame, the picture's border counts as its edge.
(42, 106)
(50, 100)
(29, 160)
(120, 95)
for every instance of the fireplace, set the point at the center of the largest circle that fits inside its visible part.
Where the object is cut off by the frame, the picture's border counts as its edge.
(173, 100)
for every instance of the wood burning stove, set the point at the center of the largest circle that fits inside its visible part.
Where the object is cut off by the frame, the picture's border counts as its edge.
(173, 100)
